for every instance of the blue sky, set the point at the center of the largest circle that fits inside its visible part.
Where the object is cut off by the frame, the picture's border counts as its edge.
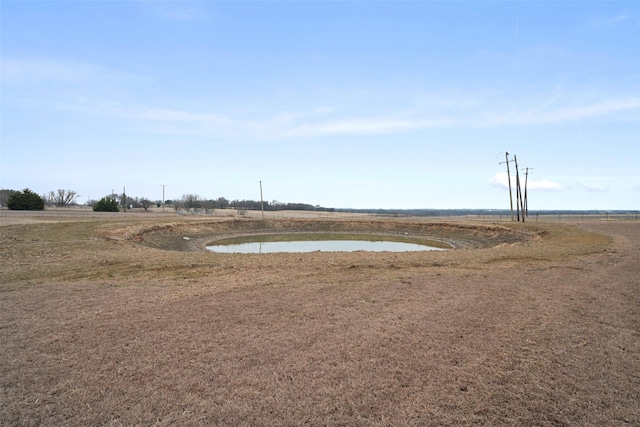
(356, 104)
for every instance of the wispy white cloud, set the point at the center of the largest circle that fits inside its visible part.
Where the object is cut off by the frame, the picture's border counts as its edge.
(595, 188)
(502, 180)
(413, 122)
(544, 185)
(180, 14)
(612, 21)
(315, 122)
(43, 70)
(168, 115)
(615, 20)
(480, 110)
(185, 11)
(185, 122)
(365, 126)
(33, 71)
(562, 113)
(398, 123)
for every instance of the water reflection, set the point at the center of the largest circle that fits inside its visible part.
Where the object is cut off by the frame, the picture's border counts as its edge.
(303, 246)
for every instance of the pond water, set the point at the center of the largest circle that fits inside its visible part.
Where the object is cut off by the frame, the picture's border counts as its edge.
(301, 246)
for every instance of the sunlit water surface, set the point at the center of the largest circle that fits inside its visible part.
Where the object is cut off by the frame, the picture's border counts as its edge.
(302, 246)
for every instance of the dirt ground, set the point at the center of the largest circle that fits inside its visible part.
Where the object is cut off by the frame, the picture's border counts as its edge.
(110, 321)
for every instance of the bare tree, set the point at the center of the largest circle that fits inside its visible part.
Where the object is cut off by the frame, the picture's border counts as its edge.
(4, 196)
(222, 203)
(191, 201)
(145, 203)
(208, 205)
(63, 198)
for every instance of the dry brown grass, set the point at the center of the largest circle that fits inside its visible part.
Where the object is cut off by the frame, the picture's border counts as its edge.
(98, 326)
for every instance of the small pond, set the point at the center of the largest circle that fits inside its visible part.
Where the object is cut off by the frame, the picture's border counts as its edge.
(301, 244)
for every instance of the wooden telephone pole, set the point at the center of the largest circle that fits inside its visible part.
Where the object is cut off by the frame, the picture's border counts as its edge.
(526, 202)
(261, 201)
(162, 197)
(506, 154)
(519, 198)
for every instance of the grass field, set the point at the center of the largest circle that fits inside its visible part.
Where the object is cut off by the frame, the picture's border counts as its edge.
(116, 320)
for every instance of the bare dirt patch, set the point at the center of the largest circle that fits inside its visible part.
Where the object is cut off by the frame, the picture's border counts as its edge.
(121, 322)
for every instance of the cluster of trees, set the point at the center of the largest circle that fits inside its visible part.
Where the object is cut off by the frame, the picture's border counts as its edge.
(106, 204)
(29, 200)
(25, 200)
(128, 202)
(60, 198)
(193, 202)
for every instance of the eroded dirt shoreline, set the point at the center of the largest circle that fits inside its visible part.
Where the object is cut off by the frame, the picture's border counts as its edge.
(194, 237)
(100, 326)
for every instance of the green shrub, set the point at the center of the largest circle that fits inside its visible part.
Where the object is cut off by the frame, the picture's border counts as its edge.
(106, 204)
(25, 200)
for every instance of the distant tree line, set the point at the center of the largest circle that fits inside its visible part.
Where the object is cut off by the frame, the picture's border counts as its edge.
(113, 202)
(29, 200)
(193, 202)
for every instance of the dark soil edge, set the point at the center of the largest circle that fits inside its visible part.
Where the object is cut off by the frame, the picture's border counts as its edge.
(194, 237)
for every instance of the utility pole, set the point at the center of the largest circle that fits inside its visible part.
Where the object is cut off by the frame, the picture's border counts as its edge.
(261, 201)
(520, 200)
(506, 154)
(124, 199)
(526, 202)
(162, 198)
(519, 203)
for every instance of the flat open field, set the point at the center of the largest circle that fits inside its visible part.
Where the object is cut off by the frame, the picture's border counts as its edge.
(127, 321)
